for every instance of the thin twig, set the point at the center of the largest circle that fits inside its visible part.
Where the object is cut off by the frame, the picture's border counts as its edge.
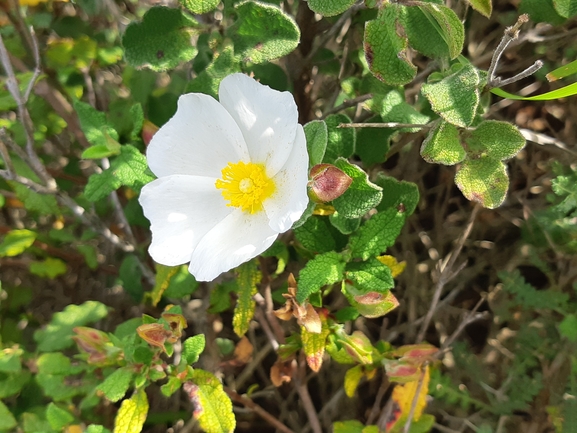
(248, 403)
(37, 68)
(407, 427)
(469, 318)
(384, 125)
(307, 402)
(385, 383)
(347, 104)
(447, 273)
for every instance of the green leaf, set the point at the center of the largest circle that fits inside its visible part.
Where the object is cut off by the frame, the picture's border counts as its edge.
(541, 11)
(341, 141)
(10, 360)
(181, 284)
(370, 304)
(442, 145)
(563, 71)
(161, 41)
(373, 143)
(484, 7)
(130, 274)
(56, 336)
(396, 109)
(433, 30)
(344, 225)
(49, 268)
(220, 297)
(316, 133)
(361, 196)
(328, 8)
(315, 235)
(401, 195)
(495, 139)
(161, 282)
(200, 6)
(53, 363)
(34, 202)
(212, 408)
(208, 81)
(103, 137)
(7, 420)
(370, 276)
(263, 32)
(128, 169)
(132, 414)
(248, 277)
(377, 234)
(352, 426)
(324, 269)
(192, 348)
(563, 92)
(57, 417)
(16, 242)
(566, 8)
(95, 428)
(456, 97)
(115, 386)
(353, 377)
(568, 327)
(386, 50)
(483, 180)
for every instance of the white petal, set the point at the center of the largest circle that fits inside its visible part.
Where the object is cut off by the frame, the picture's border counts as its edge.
(181, 209)
(290, 198)
(201, 139)
(267, 118)
(234, 240)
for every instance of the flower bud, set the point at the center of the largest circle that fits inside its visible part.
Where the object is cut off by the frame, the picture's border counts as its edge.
(148, 131)
(327, 183)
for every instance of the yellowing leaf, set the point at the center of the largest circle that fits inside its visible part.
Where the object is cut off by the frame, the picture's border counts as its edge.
(353, 377)
(132, 414)
(403, 395)
(314, 344)
(248, 277)
(212, 407)
(161, 282)
(16, 242)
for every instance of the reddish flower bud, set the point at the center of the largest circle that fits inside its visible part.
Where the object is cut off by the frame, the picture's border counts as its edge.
(96, 345)
(327, 183)
(148, 131)
(154, 334)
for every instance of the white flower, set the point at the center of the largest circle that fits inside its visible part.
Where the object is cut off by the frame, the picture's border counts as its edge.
(232, 175)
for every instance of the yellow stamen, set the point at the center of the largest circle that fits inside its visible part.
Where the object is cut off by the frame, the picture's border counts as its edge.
(245, 185)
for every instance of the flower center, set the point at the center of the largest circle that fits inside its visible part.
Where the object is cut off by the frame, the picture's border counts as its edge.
(245, 186)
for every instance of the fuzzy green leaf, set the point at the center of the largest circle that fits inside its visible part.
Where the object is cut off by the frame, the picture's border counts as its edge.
(53, 363)
(213, 408)
(132, 413)
(566, 8)
(352, 426)
(495, 139)
(370, 276)
(16, 242)
(377, 234)
(115, 386)
(456, 97)
(314, 345)
(102, 136)
(34, 202)
(341, 141)
(315, 235)
(10, 360)
(56, 336)
(442, 145)
(386, 50)
(483, 180)
(373, 144)
(329, 8)
(317, 136)
(399, 194)
(161, 41)
(263, 32)
(361, 196)
(484, 7)
(434, 30)
(396, 109)
(192, 348)
(248, 277)
(208, 81)
(344, 225)
(58, 417)
(541, 11)
(324, 269)
(200, 6)
(7, 420)
(128, 169)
